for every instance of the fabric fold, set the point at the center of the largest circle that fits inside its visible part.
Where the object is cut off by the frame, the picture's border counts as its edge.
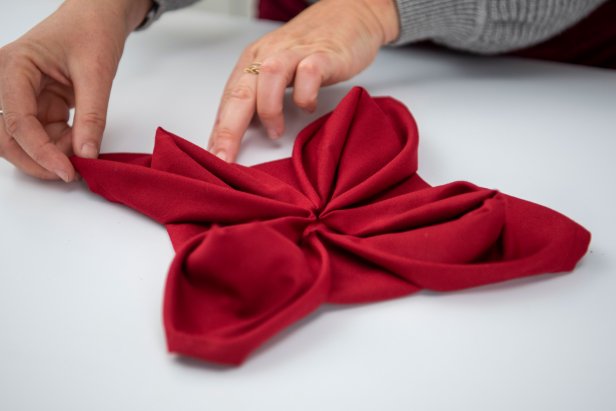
(345, 219)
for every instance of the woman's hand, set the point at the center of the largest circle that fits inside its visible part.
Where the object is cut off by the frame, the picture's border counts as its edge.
(68, 60)
(329, 42)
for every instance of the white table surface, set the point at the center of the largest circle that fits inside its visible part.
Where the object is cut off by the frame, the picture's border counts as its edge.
(81, 279)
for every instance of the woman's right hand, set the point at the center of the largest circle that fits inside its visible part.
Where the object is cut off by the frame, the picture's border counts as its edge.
(68, 60)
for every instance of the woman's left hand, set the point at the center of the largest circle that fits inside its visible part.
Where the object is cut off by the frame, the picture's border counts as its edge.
(329, 42)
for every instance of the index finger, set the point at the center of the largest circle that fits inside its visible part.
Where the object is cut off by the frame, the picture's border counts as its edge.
(19, 104)
(237, 107)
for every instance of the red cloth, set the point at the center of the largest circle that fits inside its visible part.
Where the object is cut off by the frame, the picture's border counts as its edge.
(346, 219)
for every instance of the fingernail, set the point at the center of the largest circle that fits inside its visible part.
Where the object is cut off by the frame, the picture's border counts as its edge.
(222, 155)
(273, 134)
(88, 150)
(63, 175)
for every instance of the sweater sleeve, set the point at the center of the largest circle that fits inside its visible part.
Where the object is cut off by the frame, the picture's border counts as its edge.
(488, 26)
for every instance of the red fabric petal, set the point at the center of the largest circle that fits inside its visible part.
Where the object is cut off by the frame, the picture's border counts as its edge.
(346, 219)
(233, 287)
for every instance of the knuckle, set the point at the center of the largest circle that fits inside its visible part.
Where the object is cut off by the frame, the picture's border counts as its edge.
(273, 66)
(269, 112)
(305, 101)
(222, 137)
(240, 92)
(12, 123)
(309, 68)
(93, 119)
(17, 56)
(252, 49)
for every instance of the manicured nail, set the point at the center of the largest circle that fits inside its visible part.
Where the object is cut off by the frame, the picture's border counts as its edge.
(88, 150)
(63, 175)
(222, 155)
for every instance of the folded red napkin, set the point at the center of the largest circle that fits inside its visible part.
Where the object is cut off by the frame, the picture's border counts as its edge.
(346, 219)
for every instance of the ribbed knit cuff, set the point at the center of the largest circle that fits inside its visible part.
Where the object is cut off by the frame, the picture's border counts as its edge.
(434, 19)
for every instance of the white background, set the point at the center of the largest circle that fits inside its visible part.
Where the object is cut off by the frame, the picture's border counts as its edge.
(232, 7)
(81, 279)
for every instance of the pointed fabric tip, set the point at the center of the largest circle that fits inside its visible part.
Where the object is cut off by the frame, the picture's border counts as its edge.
(346, 219)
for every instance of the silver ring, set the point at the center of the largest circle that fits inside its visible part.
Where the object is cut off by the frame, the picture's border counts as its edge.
(1, 112)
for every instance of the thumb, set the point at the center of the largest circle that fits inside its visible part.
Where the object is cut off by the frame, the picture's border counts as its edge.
(92, 92)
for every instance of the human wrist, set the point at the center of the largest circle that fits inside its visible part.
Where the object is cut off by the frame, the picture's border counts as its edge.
(137, 12)
(127, 13)
(386, 17)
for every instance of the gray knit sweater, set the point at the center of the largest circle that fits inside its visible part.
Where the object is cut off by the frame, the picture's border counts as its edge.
(480, 26)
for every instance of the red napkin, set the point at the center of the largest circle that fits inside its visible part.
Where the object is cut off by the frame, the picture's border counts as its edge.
(346, 219)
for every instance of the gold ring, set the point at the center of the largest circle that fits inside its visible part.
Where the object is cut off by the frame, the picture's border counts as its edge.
(253, 68)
